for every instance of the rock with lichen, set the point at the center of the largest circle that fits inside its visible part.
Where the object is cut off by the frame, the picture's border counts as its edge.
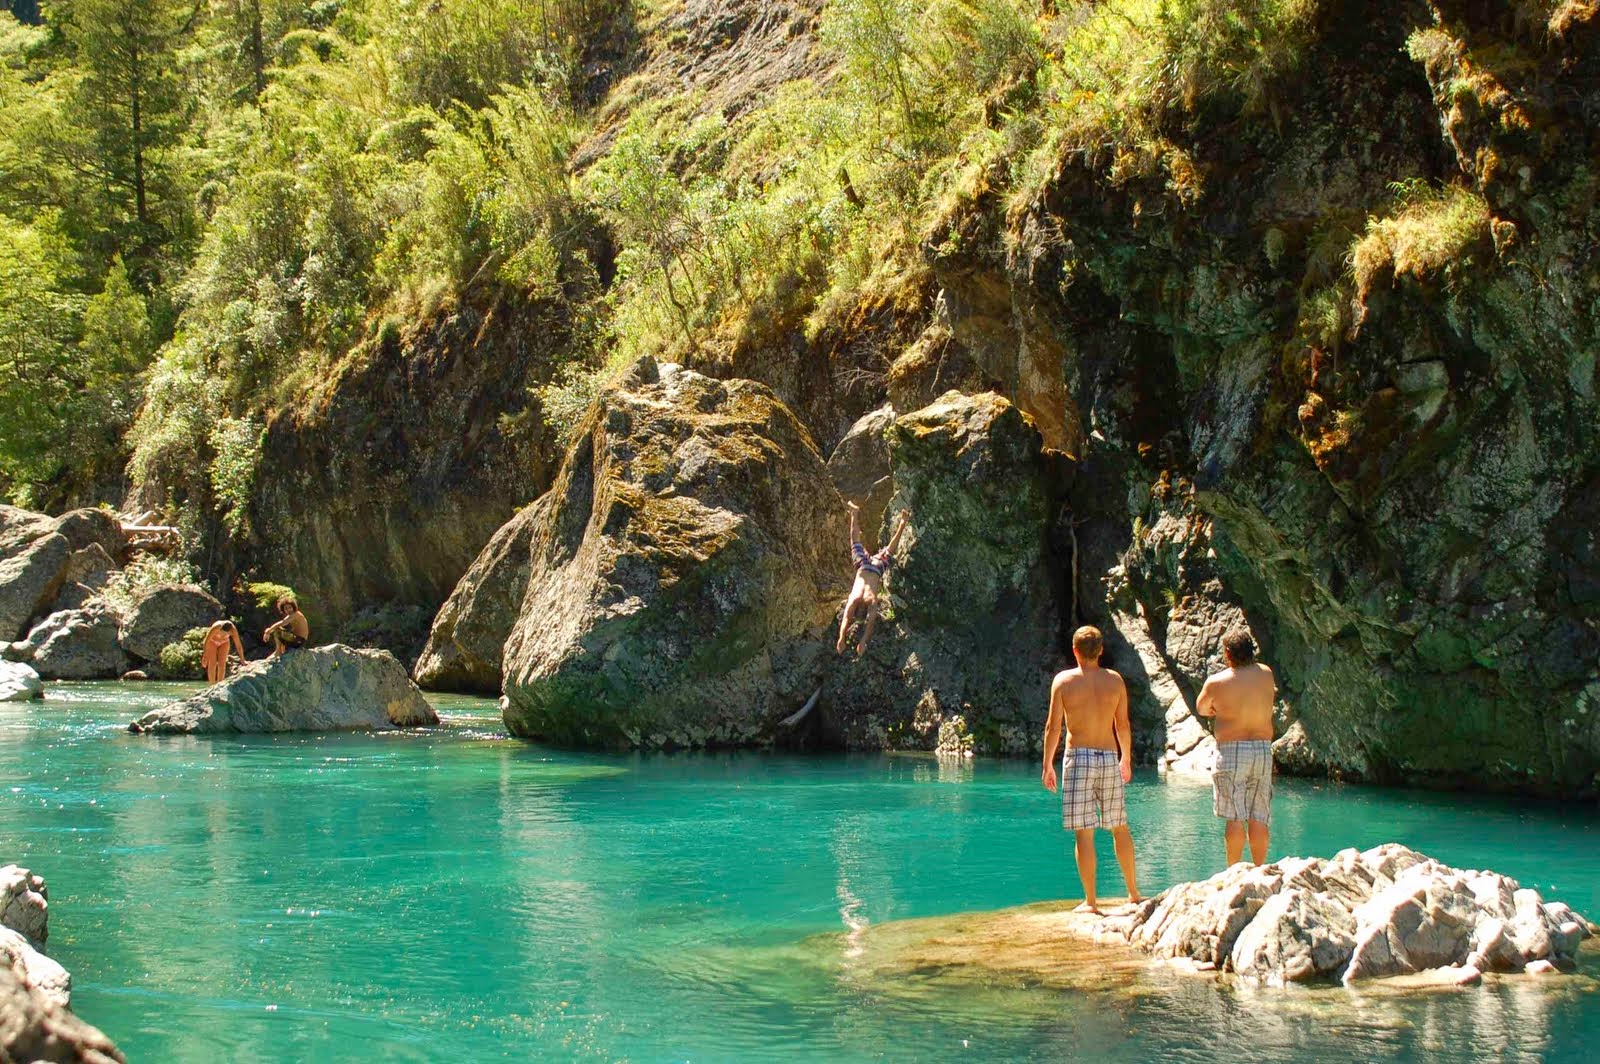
(680, 572)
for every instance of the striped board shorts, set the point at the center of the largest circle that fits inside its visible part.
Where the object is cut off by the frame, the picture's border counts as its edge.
(1241, 786)
(1091, 790)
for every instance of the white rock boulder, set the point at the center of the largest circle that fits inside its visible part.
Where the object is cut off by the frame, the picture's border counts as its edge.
(1388, 911)
(19, 682)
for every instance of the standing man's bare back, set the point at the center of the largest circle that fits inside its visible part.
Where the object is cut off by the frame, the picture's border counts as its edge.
(1091, 705)
(1241, 698)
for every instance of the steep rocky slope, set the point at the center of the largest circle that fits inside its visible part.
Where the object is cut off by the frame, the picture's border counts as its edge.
(379, 487)
(1315, 328)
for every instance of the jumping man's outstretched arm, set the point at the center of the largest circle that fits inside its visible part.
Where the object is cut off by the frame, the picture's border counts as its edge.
(899, 527)
(855, 532)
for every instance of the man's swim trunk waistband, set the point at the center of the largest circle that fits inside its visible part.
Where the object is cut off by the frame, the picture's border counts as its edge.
(876, 564)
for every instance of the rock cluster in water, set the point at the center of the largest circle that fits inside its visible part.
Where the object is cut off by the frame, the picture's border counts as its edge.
(1388, 911)
(35, 1023)
(329, 688)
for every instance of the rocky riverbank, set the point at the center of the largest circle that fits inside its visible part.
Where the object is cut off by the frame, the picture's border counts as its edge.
(36, 1023)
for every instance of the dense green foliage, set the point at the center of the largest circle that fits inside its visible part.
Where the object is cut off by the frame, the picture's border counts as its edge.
(204, 209)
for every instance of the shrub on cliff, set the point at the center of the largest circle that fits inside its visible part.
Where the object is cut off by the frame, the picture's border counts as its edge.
(181, 659)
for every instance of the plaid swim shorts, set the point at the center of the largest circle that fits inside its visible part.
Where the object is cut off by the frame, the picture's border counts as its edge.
(1241, 786)
(1091, 790)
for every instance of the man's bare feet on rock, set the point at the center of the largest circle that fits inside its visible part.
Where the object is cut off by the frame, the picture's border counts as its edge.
(1086, 907)
(1135, 899)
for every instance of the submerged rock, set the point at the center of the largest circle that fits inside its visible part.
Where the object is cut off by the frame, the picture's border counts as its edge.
(328, 688)
(19, 682)
(1385, 912)
(162, 615)
(35, 1023)
(681, 570)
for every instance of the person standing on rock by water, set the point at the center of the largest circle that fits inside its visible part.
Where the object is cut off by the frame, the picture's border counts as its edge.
(1240, 697)
(290, 632)
(214, 655)
(868, 590)
(1097, 762)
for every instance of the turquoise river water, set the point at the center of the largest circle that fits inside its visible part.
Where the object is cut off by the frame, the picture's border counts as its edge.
(456, 895)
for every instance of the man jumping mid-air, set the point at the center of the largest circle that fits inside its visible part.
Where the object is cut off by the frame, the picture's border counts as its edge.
(868, 589)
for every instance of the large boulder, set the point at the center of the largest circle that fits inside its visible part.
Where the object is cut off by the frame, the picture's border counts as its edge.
(975, 588)
(328, 688)
(859, 466)
(1384, 912)
(29, 580)
(19, 682)
(87, 573)
(93, 527)
(468, 637)
(681, 573)
(79, 644)
(162, 615)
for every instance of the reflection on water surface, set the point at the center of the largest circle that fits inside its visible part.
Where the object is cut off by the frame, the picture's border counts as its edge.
(458, 894)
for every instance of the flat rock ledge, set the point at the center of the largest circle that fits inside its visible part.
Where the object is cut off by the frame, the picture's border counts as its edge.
(1383, 913)
(36, 1023)
(329, 688)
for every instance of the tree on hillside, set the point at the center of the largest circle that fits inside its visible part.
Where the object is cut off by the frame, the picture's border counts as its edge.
(131, 99)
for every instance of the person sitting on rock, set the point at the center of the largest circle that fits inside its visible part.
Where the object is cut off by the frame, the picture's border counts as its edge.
(867, 594)
(1240, 697)
(290, 632)
(214, 656)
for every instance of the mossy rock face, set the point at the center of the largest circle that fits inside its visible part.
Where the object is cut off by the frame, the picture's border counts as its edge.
(976, 586)
(680, 573)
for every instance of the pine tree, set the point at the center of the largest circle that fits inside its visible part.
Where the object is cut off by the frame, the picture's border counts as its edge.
(131, 97)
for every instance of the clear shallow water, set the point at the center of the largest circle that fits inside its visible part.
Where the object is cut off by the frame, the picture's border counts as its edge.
(454, 894)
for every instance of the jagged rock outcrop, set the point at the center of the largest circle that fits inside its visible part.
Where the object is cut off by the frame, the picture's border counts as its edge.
(326, 688)
(162, 615)
(35, 1022)
(1384, 912)
(467, 640)
(29, 581)
(19, 682)
(681, 572)
(52, 563)
(975, 587)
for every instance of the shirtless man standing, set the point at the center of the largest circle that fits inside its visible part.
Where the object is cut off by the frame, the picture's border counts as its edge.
(1240, 697)
(1098, 760)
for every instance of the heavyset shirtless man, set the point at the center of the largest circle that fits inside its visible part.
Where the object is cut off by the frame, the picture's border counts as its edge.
(1091, 703)
(1240, 697)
